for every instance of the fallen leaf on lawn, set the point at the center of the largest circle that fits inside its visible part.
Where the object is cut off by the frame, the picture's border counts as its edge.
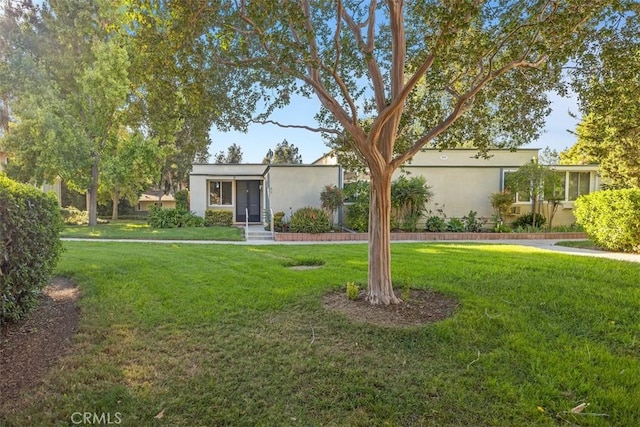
(540, 409)
(160, 415)
(579, 408)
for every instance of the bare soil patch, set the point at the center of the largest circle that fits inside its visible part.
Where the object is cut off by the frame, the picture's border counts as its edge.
(30, 347)
(421, 308)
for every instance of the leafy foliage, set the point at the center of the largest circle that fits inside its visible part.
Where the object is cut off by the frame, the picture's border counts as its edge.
(284, 153)
(172, 218)
(529, 220)
(309, 220)
(29, 246)
(331, 198)
(501, 203)
(218, 217)
(611, 218)
(409, 197)
(233, 156)
(182, 200)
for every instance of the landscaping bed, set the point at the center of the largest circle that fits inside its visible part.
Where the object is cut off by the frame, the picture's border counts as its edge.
(340, 237)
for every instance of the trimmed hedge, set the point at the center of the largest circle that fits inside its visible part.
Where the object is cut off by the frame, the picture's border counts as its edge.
(611, 218)
(30, 223)
(309, 220)
(218, 218)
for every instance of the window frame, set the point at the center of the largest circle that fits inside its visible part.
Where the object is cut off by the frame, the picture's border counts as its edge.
(222, 195)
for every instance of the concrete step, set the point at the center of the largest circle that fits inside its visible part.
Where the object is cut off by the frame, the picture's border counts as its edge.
(259, 235)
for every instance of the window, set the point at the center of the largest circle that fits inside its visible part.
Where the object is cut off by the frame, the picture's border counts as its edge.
(517, 197)
(578, 184)
(220, 193)
(570, 186)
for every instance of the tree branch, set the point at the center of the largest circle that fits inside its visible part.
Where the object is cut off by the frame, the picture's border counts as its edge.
(309, 128)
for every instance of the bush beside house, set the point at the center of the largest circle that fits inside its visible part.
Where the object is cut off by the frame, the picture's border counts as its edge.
(611, 218)
(218, 218)
(29, 245)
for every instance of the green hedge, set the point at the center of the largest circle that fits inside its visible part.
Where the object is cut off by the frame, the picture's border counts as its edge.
(611, 218)
(30, 222)
(173, 218)
(309, 220)
(218, 218)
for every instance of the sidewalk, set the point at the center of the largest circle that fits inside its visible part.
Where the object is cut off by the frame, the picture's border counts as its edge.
(545, 244)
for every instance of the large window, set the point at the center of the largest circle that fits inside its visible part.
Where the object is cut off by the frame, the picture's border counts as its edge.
(578, 184)
(571, 185)
(220, 193)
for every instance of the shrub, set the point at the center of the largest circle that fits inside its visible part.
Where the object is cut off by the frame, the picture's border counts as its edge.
(455, 225)
(182, 200)
(172, 218)
(331, 198)
(309, 220)
(501, 202)
(611, 218)
(408, 199)
(526, 221)
(278, 220)
(29, 246)
(218, 217)
(357, 215)
(74, 216)
(435, 224)
(472, 223)
(352, 291)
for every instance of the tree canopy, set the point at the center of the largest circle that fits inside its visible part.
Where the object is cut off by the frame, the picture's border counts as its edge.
(233, 155)
(283, 154)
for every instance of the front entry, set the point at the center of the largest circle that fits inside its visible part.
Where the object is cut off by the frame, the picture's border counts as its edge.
(248, 196)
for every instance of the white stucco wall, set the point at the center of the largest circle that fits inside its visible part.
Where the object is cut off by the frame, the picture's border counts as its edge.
(296, 186)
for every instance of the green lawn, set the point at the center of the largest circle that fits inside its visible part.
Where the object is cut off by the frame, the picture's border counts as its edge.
(580, 244)
(227, 335)
(141, 230)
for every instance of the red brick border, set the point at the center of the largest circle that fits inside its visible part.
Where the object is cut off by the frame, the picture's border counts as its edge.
(345, 237)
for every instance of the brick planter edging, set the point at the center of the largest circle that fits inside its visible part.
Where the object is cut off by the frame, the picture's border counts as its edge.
(346, 237)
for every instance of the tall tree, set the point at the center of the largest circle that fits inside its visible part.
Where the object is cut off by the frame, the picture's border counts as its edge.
(234, 155)
(427, 72)
(70, 109)
(284, 154)
(607, 81)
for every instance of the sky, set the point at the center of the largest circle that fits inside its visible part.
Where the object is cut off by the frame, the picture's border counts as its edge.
(260, 138)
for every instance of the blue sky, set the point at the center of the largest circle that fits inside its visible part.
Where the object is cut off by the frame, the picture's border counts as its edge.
(260, 138)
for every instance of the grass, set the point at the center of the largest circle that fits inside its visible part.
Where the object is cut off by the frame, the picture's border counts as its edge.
(141, 230)
(227, 335)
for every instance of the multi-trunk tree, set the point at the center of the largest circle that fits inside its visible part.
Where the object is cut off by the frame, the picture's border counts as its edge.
(427, 72)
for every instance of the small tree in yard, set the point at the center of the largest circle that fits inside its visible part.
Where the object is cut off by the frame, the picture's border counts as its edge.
(331, 199)
(541, 183)
(396, 76)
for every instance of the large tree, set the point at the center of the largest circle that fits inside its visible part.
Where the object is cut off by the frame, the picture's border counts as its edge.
(233, 155)
(70, 104)
(607, 81)
(427, 72)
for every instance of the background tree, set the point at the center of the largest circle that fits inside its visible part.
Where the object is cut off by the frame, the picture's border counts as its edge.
(233, 156)
(71, 106)
(617, 152)
(284, 154)
(432, 73)
(607, 82)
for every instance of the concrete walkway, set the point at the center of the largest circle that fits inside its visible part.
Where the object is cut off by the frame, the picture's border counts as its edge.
(546, 244)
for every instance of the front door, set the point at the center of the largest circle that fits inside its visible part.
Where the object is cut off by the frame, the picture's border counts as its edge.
(248, 197)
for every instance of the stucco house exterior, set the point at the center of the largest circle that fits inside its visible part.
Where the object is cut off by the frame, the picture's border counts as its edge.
(460, 180)
(252, 190)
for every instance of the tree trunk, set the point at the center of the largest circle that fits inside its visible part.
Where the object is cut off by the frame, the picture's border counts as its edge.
(92, 207)
(380, 288)
(116, 201)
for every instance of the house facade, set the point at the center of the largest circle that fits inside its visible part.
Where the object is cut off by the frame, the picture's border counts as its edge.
(251, 191)
(460, 180)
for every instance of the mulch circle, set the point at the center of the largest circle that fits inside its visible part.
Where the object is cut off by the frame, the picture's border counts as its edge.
(30, 347)
(421, 308)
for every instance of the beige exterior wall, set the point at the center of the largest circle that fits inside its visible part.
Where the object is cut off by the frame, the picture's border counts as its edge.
(292, 187)
(202, 174)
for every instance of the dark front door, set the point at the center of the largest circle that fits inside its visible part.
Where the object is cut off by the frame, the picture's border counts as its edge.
(248, 197)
